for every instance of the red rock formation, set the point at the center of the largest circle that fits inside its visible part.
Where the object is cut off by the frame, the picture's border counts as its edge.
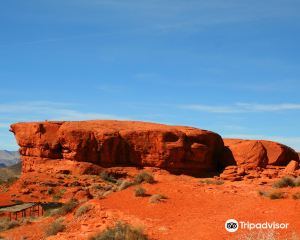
(256, 153)
(109, 143)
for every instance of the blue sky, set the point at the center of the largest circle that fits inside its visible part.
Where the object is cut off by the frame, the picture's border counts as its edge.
(231, 66)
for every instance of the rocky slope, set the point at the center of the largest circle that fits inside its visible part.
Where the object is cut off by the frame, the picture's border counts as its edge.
(108, 143)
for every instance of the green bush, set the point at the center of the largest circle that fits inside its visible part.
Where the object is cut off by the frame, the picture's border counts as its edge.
(121, 231)
(144, 177)
(55, 227)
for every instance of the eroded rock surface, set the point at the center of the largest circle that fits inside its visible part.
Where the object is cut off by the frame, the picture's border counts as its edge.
(110, 143)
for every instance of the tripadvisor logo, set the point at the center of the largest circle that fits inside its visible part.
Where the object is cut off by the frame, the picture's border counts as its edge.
(231, 225)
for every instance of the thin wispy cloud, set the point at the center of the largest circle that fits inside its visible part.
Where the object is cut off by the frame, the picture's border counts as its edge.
(242, 107)
(43, 110)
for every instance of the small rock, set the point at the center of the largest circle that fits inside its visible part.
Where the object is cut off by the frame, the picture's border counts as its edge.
(291, 167)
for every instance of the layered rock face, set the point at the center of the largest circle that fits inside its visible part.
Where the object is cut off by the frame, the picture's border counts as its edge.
(256, 153)
(110, 143)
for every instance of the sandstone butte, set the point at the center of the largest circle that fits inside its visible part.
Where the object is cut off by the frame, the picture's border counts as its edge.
(108, 143)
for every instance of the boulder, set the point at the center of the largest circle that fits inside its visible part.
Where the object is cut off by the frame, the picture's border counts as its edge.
(246, 153)
(292, 167)
(119, 143)
(256, 153)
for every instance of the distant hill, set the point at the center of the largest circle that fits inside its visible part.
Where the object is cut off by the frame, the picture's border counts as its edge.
(12, 171)
(8, 158)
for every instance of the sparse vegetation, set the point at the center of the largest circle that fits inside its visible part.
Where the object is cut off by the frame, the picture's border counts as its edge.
(57, 196)
(285, 182)
(124, 184)
(296, 196)
(212, 181)
(272, 194)
(6, 224)
(82, 210)
(121, 231)
(156, 198)
(50, 191)
(108, 177)
(55, 227)
(66, 208)
(144, 177)
(140, 192)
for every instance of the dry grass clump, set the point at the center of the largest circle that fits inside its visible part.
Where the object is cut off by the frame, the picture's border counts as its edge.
(272, 194)
(156, 198)
(108, 177)
(6, 224)
(296, 196)
(144, 177)
(82, 210)
(121, 231)
(287, 182)
(124, 184)
(57, 196)
(66, 208)
(55, 227)
(140, 192)
(212, 181)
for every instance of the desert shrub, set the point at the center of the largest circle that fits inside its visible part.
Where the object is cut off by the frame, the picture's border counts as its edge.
(124, 184)
(262, 193)
(297, 182)
(108, 177)
(276, 195)
(144, 177)
(50, 191)
(66, 208)
(296, 195)
(6, 224)
(57, 196)
(55, 227)
(212, 181)
(272, 194)
(284, 182)
(82, 210)
(157, 198)
(140, 192)
(121, 231)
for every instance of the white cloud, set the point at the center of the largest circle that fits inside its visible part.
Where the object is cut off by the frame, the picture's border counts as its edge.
(242, 107)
